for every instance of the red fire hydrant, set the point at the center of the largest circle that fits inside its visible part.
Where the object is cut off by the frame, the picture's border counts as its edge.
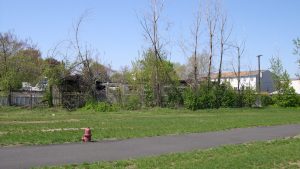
(87, 137)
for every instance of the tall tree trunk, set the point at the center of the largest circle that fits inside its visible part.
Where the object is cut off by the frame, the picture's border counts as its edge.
(195, 75)
(157, 59)
(239, 76)
(224, 36)
(9, 97)
(150, 26)
(218, 103)
(50, 98)
(157, 81)
(195, 61)
(196, 35)
(210, 60)
(220, 66)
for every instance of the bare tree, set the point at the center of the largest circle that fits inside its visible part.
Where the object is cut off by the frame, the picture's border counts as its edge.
(84, 59)
(181, 70)
(224, 37)
(150, 26)
(202, 62)
(82, 54)
(240, 51)
(212, 17)
(196, 34)
(240, 48)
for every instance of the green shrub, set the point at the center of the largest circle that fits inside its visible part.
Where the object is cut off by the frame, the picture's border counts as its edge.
(132, 103)
(287, 98)
(266, 99)
(101, 106)
(218, 93)
(229, 98)
(48, 97)
(208, 98)
(174, 97)
(191, 99)
(149, 96)
(211, 96)
(201, 98)
(217, 96)
(248, 97)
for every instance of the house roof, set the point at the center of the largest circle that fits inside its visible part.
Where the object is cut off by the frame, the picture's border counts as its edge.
(234, 74)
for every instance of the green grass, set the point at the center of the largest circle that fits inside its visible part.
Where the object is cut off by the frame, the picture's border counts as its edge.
(281, 154)
(22, 126)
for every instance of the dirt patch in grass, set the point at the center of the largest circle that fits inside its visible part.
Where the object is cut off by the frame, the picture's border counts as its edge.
(63, 129)
(290, 164)
(38, 122)
(298, 136)
(2, 133)
(132, 166)
(296, 164)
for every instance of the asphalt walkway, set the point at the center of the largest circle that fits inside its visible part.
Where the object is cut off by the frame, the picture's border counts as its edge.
(32, 156)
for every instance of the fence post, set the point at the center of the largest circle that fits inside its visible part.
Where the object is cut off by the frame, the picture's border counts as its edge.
(106, 91)
(9, 97)
(30, 98)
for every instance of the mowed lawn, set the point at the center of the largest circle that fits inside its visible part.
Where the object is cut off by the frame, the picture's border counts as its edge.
(51, 126)
(277, 154)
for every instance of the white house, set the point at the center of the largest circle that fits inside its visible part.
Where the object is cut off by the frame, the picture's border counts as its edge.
(39, 87)
(248, 79)
(295, 83)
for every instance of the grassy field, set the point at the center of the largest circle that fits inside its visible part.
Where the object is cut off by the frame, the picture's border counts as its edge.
(48, 126)
(280, 154)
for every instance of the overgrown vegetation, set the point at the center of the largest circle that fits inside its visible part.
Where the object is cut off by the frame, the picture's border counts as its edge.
(266, 99)
(153, 80)
(218, 96)
(101, 106)
(286, 95)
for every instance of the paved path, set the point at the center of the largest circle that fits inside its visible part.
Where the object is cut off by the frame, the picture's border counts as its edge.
(29, 156)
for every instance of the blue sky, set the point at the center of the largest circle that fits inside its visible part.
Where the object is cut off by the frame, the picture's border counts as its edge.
(112, 27)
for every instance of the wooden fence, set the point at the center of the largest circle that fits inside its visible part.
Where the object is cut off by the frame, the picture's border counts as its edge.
(113, 93)
(27, 98)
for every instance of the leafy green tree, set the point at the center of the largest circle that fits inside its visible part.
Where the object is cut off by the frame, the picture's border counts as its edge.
(191, 99)
(28, 63)
(19, 62)
(181, 71)
(9, 46)
(124, 76)
(248, 97)
(99, 71)
(143, 74)
(286, 95)
(54, 71)
(277, 72)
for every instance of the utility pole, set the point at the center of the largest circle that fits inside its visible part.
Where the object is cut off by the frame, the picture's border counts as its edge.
(258, 89)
